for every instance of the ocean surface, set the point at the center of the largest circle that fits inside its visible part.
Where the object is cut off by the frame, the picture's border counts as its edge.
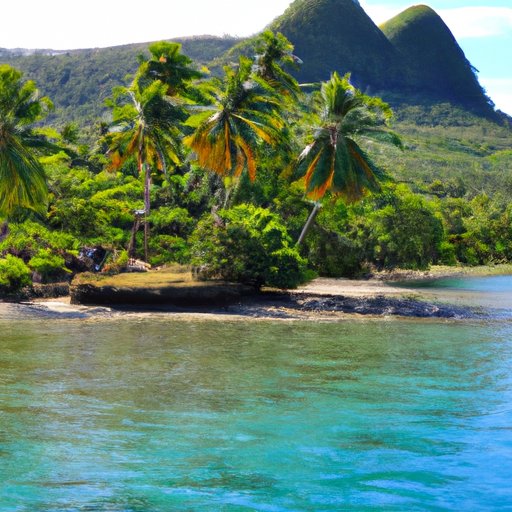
(158, 413)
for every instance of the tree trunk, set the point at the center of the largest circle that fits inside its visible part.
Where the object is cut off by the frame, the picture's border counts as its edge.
(131, 245)
(147, 205)
(310, 220)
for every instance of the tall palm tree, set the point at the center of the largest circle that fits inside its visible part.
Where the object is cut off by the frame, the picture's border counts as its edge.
(334, 161)
(246, 116)
(147, 127)
(22, 178)
(148, 116)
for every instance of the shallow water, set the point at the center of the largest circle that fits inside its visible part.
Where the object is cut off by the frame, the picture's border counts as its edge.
(494, 293)
(157, 414)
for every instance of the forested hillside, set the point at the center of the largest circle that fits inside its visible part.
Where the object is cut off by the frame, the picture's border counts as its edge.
(79, 81)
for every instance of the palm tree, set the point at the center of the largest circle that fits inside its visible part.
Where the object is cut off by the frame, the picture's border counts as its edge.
(334, 161)
(171, 67)
(147, 127)
(273, 53)
(22, 178)
(246, 115)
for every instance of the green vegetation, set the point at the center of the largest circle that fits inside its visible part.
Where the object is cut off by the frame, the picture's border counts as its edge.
(79, 81)
(249, 245)
(14, 274)
(217, 171)
(22, 182)
(147, 122)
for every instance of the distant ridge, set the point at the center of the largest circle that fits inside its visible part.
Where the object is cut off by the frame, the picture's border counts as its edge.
(78, 81)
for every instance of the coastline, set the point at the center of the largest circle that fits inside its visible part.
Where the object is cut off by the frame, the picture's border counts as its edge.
(384, 294)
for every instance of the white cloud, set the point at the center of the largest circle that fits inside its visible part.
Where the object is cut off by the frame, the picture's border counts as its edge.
(500, 91)
(471, 22)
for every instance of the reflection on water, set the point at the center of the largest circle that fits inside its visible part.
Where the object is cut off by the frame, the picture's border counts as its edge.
(158, 414)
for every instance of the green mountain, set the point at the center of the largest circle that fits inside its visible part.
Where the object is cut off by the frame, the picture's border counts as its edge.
(431, 61)
(413, 59)
(338, 35)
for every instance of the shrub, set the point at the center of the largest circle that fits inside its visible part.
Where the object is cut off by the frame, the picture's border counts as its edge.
(405, 232)
(14, 274)
(247, 244)
(49, 265)
(167, 249)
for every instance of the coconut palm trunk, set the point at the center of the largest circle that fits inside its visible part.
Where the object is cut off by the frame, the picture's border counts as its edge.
(309, 222)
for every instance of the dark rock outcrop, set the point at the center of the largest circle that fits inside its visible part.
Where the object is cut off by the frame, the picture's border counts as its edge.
(202, 294)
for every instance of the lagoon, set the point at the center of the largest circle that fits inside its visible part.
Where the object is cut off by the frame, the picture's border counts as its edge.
(158, 413)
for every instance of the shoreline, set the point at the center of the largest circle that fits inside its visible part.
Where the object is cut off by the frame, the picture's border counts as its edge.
(328, 299)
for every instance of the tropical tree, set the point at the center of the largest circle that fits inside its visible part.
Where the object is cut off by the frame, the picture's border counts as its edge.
(171, 67)
(245, 116)
(146, 127)
(274, 53)
(334, 161)
(22, 178)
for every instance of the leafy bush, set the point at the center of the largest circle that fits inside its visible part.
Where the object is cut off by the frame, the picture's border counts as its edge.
(14, 274)
(173, 221)
(26, 239)
(405, 232)
(247, 244)
(167, 249)
(48, 265)
(335, 244)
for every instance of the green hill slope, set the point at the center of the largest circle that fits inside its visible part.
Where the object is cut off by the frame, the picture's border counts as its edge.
(337, 35)
(412, 59)
(78, 81)
(331, 35)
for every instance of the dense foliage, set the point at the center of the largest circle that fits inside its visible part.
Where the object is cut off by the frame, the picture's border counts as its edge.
(247, 244)
(218, 169)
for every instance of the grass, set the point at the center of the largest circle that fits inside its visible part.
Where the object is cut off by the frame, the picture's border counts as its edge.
(176, 276)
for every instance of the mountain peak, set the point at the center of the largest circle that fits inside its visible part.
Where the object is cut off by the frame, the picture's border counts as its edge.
(433, 59)
(336, 35)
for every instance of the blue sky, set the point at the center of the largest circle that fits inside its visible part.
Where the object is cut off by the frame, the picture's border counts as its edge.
(483, 28)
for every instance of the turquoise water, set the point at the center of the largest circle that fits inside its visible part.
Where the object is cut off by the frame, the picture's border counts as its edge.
(494, 293)
(488, 284)
(139, 414)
